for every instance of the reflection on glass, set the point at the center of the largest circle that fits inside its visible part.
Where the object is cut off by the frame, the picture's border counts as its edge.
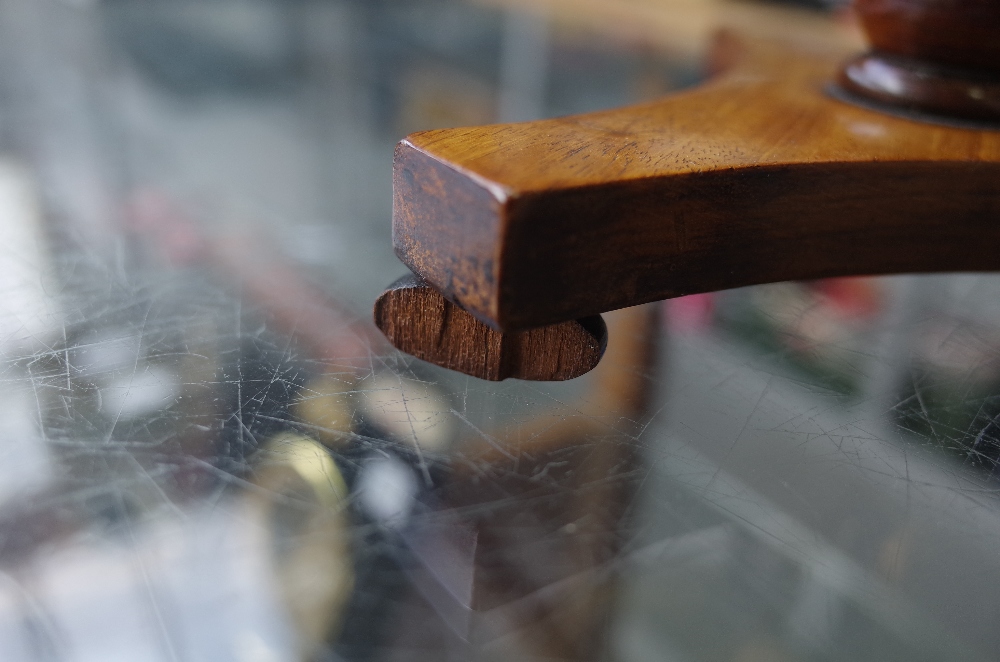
(210, 454)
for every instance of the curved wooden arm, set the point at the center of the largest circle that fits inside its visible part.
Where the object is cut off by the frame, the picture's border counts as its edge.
(759, 176)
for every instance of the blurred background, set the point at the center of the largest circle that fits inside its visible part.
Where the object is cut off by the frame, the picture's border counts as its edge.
(207, 452)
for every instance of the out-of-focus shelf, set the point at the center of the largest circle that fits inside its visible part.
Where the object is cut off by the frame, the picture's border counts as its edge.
(685, 28)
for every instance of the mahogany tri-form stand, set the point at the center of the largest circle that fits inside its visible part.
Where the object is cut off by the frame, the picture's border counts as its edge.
(787, 166)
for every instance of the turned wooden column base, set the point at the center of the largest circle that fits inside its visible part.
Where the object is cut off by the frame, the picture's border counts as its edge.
(913, 85)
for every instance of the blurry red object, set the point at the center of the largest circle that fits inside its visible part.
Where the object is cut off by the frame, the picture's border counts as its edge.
(851, 297)
(690, 314)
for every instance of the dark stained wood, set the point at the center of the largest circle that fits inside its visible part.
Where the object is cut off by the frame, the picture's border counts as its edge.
(935, 56)
(756, 177)
(913, 85)
(956, 33)
(419, 321)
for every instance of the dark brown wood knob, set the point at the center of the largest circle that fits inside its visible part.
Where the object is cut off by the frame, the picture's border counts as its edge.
(935, 56)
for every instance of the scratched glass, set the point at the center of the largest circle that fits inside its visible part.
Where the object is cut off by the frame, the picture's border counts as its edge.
(209, 453)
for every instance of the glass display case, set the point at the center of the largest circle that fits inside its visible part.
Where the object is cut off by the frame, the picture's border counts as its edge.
(210, 453)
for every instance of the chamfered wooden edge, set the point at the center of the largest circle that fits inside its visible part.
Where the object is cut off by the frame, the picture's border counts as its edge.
(750, 179)
(418, 320)
(445, 227)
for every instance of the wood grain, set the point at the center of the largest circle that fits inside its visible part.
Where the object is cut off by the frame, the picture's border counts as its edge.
(419, 321)
(756, 177)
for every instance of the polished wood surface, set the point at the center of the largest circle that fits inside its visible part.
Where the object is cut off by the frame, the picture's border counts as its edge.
(418, 320)
(758, 176)
(956, 33)
(933, 56)
(912, 85)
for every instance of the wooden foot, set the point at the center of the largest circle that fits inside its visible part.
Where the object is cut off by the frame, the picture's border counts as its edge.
(419, 321)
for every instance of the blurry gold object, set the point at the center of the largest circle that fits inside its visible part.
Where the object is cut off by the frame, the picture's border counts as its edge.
(301, 497)
(409, 410)
(325, 406)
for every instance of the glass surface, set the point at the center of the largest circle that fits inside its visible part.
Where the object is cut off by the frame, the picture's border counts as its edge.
(209, 453)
